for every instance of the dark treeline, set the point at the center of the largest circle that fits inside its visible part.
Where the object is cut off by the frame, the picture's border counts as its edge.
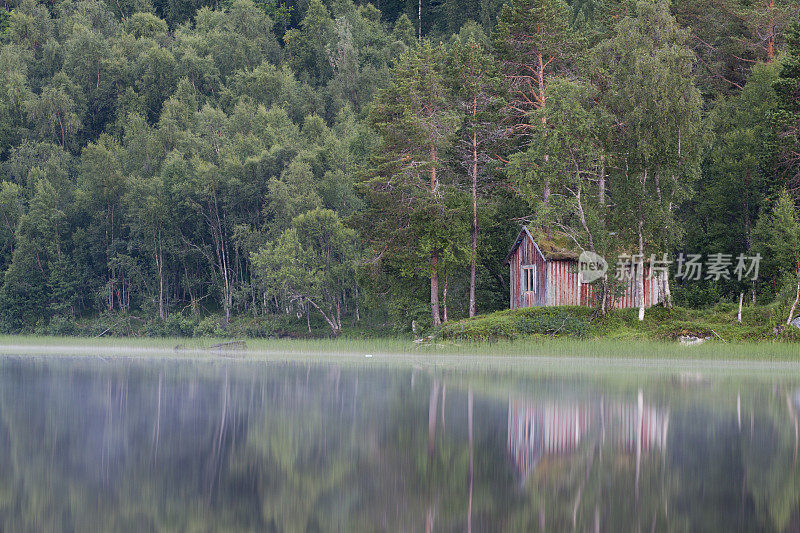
(319, 162)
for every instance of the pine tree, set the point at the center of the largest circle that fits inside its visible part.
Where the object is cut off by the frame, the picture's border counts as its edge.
(477, 86)
(534, 40)
(416, 123)
(787, 116)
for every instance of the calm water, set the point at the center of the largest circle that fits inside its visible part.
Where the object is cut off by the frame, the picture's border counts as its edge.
(141, 445)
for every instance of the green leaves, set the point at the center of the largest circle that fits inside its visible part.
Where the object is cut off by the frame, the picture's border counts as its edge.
(777, 237)
(313, 261)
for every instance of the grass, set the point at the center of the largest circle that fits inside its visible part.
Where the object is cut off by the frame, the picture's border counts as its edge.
(383, 348)
(571, 335)
(763, 324)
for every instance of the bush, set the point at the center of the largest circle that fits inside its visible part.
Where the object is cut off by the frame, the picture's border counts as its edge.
(174, 325)
(210, 326)
(551, 321)
(57, 326)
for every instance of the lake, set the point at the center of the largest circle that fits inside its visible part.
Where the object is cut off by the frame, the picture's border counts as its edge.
(150, 444)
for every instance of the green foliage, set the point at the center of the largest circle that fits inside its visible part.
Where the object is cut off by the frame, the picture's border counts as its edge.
(4, 20)
(312, 263)
(777, 238)
(717, 324)
(647, 88)
(512, 324)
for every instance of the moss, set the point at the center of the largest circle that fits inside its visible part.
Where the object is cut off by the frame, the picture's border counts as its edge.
(660, 324)
(516, 323)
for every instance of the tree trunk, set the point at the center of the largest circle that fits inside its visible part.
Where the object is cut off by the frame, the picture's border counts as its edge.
(162, 313)
(335, 328)
(437, 321)
(444, 297)
(605, 298)
(419, 21)
(602, 184)
(771, 32)
(667, 291)
(473, 262)
(540, 82)
(640, 270)
(739, 315)
(436, 317)
(796, 300)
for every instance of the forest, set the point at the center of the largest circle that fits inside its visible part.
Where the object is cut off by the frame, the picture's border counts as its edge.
(194, 167)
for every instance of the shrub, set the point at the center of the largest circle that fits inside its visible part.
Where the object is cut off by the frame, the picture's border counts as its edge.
(551, 321)
(210, 326)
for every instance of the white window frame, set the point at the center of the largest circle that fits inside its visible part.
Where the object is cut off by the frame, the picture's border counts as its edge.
(527, 279)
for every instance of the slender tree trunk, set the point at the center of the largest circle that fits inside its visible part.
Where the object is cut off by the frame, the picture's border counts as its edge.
(335, 328)
(602, 184)
(540, 82)
(160, 268)
(223, 262)
(771, 32)
(435, 315)
(606, 297)
(665, 289)
(419, 21)
(437, 321)
(796, 299)
(355, 297)
(739, 315)
(473, 262)
(640, 270)
(444, 297)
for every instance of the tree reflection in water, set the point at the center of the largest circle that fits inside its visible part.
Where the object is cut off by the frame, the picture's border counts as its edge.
(137, 445)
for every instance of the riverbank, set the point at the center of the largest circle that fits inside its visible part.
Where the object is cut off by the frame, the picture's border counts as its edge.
(759, 324)
(387, 348)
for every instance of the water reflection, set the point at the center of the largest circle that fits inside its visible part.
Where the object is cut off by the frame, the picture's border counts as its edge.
(538, 430)
(130, 445)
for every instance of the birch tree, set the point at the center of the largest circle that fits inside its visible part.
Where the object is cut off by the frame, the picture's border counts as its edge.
(777, 237)
(646, 86)
(569, 155)
(313, 261)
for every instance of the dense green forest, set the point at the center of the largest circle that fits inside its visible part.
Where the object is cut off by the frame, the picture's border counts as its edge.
(338, 164)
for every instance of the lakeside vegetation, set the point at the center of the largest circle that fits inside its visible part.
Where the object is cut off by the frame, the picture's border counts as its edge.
(463, 352)
(718, 323)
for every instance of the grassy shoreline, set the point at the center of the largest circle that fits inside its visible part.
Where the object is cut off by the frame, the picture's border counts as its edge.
(558, 348)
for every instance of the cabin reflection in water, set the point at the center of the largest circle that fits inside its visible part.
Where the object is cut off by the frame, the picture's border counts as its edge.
(537, 430)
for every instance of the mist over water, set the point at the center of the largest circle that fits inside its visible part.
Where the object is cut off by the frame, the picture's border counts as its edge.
(219, 445)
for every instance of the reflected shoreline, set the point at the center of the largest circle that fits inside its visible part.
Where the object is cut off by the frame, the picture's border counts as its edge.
(137, 444)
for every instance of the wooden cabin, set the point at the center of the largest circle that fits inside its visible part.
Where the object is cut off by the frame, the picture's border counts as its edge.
(549, 276)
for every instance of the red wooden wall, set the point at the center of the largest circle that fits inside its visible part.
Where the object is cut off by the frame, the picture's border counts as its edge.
(527, 254)
(558, 283)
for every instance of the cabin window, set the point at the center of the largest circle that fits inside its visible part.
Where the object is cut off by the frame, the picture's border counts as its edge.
(529, 278)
